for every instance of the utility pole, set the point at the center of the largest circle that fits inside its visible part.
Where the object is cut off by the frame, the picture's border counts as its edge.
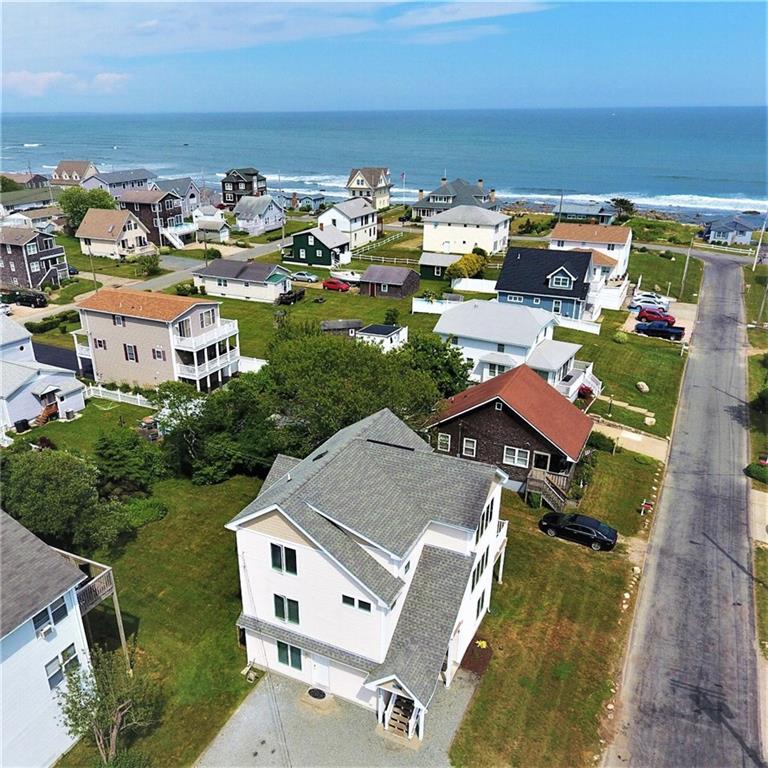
(282, 206)
(759, 243)
(685, 268)
(762, 304)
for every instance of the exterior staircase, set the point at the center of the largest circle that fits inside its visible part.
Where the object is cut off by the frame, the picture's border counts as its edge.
(400, 717)
(172, 238)
(553, 496)
(46, 414)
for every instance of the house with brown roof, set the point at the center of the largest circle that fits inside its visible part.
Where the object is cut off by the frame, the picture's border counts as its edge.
(28, 180)
(159, 210)
(69, 173)
(613, 243)
(116, 234)
(519, 423)
(30, 259)
(147, 338)
(373, 184)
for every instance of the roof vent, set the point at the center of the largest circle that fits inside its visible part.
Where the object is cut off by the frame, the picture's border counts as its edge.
(287, 477)
(319, 455)
(390, 445)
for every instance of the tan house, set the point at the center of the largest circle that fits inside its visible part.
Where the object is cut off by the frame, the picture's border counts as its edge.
(69, 173)
(112, 233)
(144, 339)
(373, 184)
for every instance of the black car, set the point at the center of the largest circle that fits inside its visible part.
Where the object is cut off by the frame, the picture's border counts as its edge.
(291, 297)
(30, 299)
(73, 270)
(580, 528)
(661, 330)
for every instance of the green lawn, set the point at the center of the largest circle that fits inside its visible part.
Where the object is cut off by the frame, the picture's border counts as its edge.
(79, 436)
(291, 226)
(179, 595)
(393, 213)
(621, 415)
(761, 595)
(56, 338)
(661, 231)
(73, 288)
(757, 369)
(621, 366)
(540, 219)
(661, 274)
(191, 253)
(101, 264)
(754, 290)
(554, 633)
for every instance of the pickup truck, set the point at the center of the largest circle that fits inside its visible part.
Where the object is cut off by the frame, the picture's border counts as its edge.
(660, 329)
(291, 297)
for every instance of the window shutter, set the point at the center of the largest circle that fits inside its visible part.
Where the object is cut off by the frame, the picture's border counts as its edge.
(125, 351)
(135, 353)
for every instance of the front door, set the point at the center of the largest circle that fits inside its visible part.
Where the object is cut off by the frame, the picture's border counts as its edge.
(321, 676)
(541, 460)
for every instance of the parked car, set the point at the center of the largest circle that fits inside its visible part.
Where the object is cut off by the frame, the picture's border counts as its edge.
(304, 277)
(762, 459)
(661, 330)
(73, 270)
(651, 295)
(334, 284)
(649, 314)
(638, 302)
(579, 528)
(291, 297)
(403, 219)
(36, 300)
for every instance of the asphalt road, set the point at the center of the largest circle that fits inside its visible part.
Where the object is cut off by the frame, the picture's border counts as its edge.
(690, 693)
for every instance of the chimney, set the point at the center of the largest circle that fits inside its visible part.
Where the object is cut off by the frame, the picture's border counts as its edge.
(480, 183)
(421, 194)
(492, 196)
(443, 180)
(321, 225)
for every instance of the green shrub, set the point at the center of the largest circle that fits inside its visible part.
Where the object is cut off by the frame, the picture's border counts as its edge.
(469, 265)
(601, 442)
(124, 387)
(183, 289)
(757, 472)
(214, 253)
(534, 500)
(141, 511)
(165, 250)
(62, 329)
(128, 759)
(620, 337)
(241, 244)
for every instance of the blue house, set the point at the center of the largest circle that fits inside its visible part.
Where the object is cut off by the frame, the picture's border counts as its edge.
(560, 282)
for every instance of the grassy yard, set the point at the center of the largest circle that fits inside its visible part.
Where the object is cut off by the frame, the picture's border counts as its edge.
(102, 264)
(661, 231)
(80, 436)
(554, 633)
(757, 369)
(291, 226)
(620, 415)
(56, 338)
(73, 288)
(178, 587)
(621, 366)
(659, 273)
(754, 289)
(539, 219)
(761, 595)
(393, 213)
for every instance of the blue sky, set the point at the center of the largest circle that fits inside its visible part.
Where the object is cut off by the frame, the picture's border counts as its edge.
(248, 56)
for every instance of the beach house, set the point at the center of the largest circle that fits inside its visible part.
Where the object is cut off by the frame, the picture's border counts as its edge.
(589, 212)
(732, 230)
(185, 187)
(250, 280)
(356, 218)
(70, 173)
(27, 180)
(117, 182)
(610, 245)
(30, 258)
(463, 228)
(116, 234)
(367, 567)
(452, 193)
(388, 282)
(322, 246)
(256, 215)
(242, 182)
(372, 184)
(160, 211)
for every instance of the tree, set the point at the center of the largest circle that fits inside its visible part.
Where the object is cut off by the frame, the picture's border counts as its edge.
(319, 384)
(148, 264)
(469, 265)
(9, 185)
(392, 316)
(107, 701)
(625, 207)
(441, 361)
(127, 463)
(75, 202)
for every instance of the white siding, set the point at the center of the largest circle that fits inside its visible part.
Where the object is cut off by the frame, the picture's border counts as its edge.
(239, 289)
(440, 237)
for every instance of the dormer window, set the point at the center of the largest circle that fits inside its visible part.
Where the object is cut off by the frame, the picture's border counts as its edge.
(560, 281)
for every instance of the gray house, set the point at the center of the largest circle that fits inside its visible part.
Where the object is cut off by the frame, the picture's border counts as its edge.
(732, 230)
(590, 212)
(452, 193)
(389, 282)
(185, 187)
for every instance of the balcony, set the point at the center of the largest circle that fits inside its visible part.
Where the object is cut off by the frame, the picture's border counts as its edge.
(222, 331)
(82, 350)
(501, 530)
(580, 375)
(99, 586)
(209, 366)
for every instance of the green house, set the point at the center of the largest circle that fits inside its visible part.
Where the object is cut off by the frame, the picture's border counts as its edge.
(432, 266)
(323, 246)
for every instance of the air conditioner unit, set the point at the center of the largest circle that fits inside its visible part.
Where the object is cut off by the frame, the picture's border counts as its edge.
(45, 631)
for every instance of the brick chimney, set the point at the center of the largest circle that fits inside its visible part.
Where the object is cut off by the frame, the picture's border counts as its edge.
(492, 195)
(480, 183)
(321, 225)
(421, 194)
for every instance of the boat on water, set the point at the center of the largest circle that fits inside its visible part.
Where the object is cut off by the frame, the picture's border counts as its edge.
(347, 275)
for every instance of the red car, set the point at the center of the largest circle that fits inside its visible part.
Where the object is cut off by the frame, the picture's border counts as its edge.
(334, 284)
(648, 315)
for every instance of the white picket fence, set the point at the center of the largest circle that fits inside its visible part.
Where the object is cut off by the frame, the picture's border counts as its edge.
(96, 390)
(432, 307)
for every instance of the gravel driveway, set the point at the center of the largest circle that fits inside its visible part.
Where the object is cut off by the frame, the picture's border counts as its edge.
(341, 734)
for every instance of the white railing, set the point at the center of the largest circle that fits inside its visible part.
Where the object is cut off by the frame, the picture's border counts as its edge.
(96, 390)
(581, 374)
(82, 350)
(432, 306)
(377, 243)
(223, 330)
(587, 326)
(501, 530)
(203, 369)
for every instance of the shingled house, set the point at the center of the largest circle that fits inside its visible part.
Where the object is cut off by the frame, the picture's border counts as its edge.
(389, 282)
(242, 182)
(30, 259)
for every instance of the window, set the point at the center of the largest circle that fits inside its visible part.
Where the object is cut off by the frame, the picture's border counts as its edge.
(611, 247)
(55, 668)
(347, 600)
(289, 655)
(222, 282)
(229, 197)
(169, 204)
(58, 610)
(283, 558)
(34, 266)
(499, 347)
(207, 317)
(310, 240)
(40, 620)
(118, 320)
(469, 447)
(407, 567)
(557, 306)
(499, 405)
(514, 299)
(364, 605)
(157, 221)
(438, 271)
(302, 253)
(130, 352)
(241, 185)
(184, 328)
(158, 354)
(31, 249)
(319, 253)
(13, 267)
(479, 568)
(560, 243)
(87, 240)
(443, 442)
(560, 281)
(517, 457)
(100, 343)
(494, 369)
(537, 301)
(286, 609)
(384, 288)
(485, 520)
(480, 605)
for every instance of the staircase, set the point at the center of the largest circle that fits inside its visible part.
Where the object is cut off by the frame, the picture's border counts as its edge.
(401, 715)
(46, 414)
(172, 238)
(554, 497)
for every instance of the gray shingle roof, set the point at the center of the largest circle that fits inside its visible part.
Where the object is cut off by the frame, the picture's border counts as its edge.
(329, 236)
(32, 575)
(250, 271)
(280, 466)
(589, 208)
(372, 175)
(16, 374)
(180, 186)
(470, 214)
(431, 259)
(279, 632)
(389, 275)
(354, 207)
(550, 355)
(212, 225)
(527, 270)
(17, 235)
(493, 321)
(461, 192)
(11, 332)
(118, 177)
(340, 325)
(250, 206)
(380, 480)
(420, 640)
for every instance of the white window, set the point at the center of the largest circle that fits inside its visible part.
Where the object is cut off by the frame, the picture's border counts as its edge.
(34, 266)
(310, 240)
(560, 281)
(31, 249)
(443, 442)
(289, 655)
(480, 605)
(516, 457)
(100, 343)
(283, 558)
(207, 317)
(241, 185)
(8, 249)
(158, 353)
(228, 196)
(170, 204)
(118, 320)
(228, 186)
(13, 266)
(131, 355)
(499, 405)
(469, 448)
(2, 264)
(537, 300)
(302, 253)
(557, 306)
(286, 609)
(438, 271)
(55, 668)
(319, 253)
(494, 369)
(515, 299)
(221, 281)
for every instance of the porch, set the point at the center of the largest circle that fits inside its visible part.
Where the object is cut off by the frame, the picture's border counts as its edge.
(399, 713)
(551, 486)
(580, 375)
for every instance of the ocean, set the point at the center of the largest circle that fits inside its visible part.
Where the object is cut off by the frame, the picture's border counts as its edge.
(694, 159)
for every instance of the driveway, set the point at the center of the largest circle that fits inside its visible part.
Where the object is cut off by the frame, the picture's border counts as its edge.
(690, 690)
(50, 355)
(684, 314)
(274, 726)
